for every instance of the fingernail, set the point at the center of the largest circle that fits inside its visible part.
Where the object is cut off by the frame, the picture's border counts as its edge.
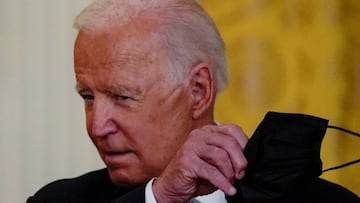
(240, 175)
(232, 191)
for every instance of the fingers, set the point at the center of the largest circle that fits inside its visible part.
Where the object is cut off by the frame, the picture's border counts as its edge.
(231, 130)
(218, 158)
(209, 172)
(236, 132)
(234, 154)
(228, 142)
(212, 157)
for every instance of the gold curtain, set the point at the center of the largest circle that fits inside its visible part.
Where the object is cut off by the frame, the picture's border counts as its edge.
(295, 56)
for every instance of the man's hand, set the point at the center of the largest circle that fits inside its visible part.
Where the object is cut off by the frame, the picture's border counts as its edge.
(212, 158)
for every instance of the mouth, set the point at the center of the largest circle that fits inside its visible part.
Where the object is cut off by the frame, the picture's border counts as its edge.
(117, 158)
(114, 153)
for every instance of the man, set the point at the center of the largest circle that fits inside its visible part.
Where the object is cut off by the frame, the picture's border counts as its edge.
(149, 72)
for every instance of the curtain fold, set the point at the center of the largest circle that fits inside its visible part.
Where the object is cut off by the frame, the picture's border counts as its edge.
(42, 127)
(295, 56)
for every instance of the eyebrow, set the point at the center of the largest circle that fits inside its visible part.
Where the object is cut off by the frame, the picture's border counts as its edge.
(113, 90)
(79, 87)
(119, 89)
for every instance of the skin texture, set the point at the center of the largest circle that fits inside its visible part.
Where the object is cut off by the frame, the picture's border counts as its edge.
(123, 86)
(211, 158)
(143, 125)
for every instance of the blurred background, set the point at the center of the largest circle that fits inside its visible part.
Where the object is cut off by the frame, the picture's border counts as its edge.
(290, 56)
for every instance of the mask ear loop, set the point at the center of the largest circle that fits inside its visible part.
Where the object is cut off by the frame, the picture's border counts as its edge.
(344, 130)
(348, 163)
(342, 165)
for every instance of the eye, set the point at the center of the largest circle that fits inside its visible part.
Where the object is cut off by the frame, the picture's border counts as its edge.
(123, 97)
(88, 98)
(124, 100)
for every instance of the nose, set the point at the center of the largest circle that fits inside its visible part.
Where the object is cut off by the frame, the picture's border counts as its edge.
(101, 119)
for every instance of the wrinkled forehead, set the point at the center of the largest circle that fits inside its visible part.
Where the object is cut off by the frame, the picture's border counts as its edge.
(140, 33)
(133, 48)
(136, 40)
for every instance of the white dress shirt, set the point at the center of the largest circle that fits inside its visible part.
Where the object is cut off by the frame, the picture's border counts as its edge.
(216, 197)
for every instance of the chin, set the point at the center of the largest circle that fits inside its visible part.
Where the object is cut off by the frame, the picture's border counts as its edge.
(125, 178)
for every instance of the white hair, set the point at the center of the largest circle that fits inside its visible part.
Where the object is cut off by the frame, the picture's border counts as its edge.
(186, 31)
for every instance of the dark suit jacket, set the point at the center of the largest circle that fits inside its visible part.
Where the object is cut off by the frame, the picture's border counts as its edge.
(93, 187)
(96, 187)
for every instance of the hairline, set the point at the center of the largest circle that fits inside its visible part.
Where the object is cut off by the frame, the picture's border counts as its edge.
(164, 22)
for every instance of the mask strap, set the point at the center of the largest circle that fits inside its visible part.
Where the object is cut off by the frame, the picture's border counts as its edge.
(342, 165)
(348, 163)
(344, 130)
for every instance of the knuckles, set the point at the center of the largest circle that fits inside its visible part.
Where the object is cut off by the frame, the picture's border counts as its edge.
(243, 164)
(233, 128)
(197, 160)
(219, 154)
(195, 149)
(198, 133)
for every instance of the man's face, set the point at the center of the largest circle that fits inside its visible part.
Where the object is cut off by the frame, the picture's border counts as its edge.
(135, 117)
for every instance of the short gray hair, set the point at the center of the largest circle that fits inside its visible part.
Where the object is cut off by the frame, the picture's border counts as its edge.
(186, 31)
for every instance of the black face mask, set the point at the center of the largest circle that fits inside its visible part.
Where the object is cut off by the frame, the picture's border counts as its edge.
(283, 155)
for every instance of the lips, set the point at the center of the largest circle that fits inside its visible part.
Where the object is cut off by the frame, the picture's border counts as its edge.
(117, 158)
(113, 153)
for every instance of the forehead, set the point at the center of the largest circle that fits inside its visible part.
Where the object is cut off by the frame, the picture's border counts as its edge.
(137, 38)
(134, 47)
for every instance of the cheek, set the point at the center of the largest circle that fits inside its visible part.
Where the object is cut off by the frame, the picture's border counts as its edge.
(169, 123)
(88, 122)
(156, 131)
(164, 135)
(170, 116)
(157, 152)
(89, 125)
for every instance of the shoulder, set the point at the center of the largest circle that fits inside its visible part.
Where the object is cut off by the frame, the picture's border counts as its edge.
(324, 191)
(90, 186)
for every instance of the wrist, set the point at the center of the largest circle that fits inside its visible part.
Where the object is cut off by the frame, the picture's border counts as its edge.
(162, 195)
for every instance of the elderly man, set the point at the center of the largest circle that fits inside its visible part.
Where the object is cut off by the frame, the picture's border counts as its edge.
(149, 72)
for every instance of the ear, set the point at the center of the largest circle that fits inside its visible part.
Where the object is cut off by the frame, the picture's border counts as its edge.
(202, 89)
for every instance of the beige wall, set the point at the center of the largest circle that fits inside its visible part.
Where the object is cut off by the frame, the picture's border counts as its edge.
(42, 133)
